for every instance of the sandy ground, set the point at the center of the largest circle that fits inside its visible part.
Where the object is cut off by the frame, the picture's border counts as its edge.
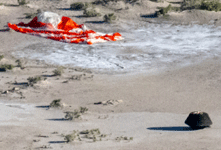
(153, 107)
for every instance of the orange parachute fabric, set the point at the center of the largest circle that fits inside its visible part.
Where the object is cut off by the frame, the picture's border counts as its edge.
(66, 31)
(67, 24)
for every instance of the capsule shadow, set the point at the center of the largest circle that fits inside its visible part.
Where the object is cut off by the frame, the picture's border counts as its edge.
(172, 128)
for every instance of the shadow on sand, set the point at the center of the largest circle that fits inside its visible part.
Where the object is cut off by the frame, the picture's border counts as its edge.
(67, 9)
(43, 106)
(11, 5)
(56, 142)
(21, 83)
(58, 119)
(4, 30)
(154, 15)
(95, 22)
(173, 128)
(81, 16)
(48, 75)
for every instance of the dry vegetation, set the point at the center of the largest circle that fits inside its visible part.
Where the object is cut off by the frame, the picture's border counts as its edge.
(77, 6)
(56, 103)
(19, 64)
(210, 5)
(1, 57)
(58, 71)
(33, 80)
(93, 135)
(125, 138)
(91, 12)
(5, 67)
(76, 114)
(109, 17)
(22, 2)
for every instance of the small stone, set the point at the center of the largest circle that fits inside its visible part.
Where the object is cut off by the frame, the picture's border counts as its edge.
(36, 140)
(15, 89)
(97, 103)
(112, 102)
(5, 92)
(198, 120)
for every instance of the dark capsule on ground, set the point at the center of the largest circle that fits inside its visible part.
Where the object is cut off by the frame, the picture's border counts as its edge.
(198, 120)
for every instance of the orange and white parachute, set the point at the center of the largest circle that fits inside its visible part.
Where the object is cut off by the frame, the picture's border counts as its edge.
(52, 26)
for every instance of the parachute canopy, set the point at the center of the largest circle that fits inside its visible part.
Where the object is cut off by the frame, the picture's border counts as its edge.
(52, 26)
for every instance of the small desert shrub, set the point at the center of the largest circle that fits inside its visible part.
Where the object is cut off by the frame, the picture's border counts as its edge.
(109, 17)
(1, 57)
(213, 5)
(165, 10)
(22, 2)
(70, 137)
(76, 114)
(56, 103)
(210, 5)
(123, 138)
(77, 6)
(93, 131)
(87, 5)
(93, 134)
(91, 12)
(72, 115)
(39, 11)
(58, 71)
(19, 64)
(83, 110)
(7, 66)
(175, 8)
(80, 6)
(33, 80)
(76, 77)
(191, 4)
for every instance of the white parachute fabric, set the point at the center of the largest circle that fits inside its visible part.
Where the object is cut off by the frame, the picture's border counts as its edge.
(49, 17)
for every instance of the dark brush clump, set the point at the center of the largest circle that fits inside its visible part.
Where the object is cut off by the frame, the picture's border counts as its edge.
(109, 17)
(6, 67)
(33, 80)
(77, 6)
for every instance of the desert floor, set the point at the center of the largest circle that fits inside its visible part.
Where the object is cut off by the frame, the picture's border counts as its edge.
(150, 108)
